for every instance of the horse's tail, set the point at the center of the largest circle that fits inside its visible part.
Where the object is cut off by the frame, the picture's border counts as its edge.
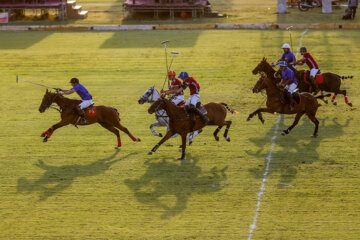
(345, 77)
(229, 109)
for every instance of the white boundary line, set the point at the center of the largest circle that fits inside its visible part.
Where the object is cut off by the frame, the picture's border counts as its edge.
(268, 160)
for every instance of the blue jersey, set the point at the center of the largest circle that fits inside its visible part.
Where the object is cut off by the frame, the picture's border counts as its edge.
(82, 91)
(289, 74)
(290, 56)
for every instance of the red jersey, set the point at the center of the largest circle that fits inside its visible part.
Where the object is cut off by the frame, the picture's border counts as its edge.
(176, 82)
(310, 61)
(193, 85)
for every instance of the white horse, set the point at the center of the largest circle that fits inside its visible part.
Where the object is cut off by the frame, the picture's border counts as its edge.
(150, 96)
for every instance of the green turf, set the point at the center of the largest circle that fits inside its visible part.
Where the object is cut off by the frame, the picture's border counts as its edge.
(235, 11)
(76, 186)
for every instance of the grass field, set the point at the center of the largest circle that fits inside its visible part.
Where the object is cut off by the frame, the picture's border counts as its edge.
(236, 11)
(76, 186)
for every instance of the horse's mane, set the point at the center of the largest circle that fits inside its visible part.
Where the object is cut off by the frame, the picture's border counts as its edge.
(66, 100)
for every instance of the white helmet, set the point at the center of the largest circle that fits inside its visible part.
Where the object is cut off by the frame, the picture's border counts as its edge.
(286, 46)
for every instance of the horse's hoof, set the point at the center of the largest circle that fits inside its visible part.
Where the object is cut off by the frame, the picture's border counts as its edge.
(326, 101)
(227, 139)
(248, 119)
(283, 133)
(350, 104)
(117, 147)
(335, 103)
(42, 135)
(45, 140)
(138, 140)
(216, 138)
(180, 159)
(262, 121)
(150, 153)
(314, 135)
(160, 135)
(180, 146)
(190, 142)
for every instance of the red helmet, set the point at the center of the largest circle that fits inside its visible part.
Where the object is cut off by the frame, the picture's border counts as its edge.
(171, 73)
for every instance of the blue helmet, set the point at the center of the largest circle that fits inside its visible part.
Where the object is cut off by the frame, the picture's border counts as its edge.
(183, 75)
(283, 64)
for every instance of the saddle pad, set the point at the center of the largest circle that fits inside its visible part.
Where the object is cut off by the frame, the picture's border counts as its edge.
(319, 78)
(91, 111)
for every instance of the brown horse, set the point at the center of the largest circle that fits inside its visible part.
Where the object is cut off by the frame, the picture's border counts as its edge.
(307, 104)
(181, 123)
(331, 81)
(107, 117)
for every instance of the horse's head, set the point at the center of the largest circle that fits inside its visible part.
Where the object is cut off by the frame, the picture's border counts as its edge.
(260, 84)
(151, 95)
(261, 67)
(157, 105)
(47, 100)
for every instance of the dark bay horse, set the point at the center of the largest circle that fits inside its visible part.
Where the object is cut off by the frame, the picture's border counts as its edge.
(307, 104)
(181, 124)
(107, 117)
(331, 81)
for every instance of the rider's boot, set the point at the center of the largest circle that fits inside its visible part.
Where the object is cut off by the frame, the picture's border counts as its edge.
(291, 99)
(82, 115)
(203, 117)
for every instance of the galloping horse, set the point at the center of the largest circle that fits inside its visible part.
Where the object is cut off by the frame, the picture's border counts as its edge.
(107, 117)
(331, 81)
(307, 104)
(150, 96)
(181, 123)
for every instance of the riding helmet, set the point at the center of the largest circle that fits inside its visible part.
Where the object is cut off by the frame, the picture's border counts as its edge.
(171, 73)
(74, 80)
(286, 45)
(183, 75)
(303, 49)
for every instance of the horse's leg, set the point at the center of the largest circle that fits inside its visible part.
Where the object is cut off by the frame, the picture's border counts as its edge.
(47, 134)
(259, 110)
(125, 130)
(183, 146)
(296, 121)
(346, 97)
(216, 133)
(312, 117)
(192, 135)
(228, 124)
(157, 124)
(113, 130)
(166, 137)
(333, 99)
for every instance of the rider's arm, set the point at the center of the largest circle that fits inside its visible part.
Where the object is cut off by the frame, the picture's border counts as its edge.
(172, 90)
(179, 90)
(66, 92)
(289, 81)
(300, 62)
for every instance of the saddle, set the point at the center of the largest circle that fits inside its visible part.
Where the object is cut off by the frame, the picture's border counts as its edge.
(181, 104)
(201, 107)
(90, 111)
(318, 77)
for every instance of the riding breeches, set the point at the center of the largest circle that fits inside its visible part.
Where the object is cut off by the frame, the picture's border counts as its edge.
(313, 72)
(85, 103)
(177, 99)
(192, 100)
(291, 87)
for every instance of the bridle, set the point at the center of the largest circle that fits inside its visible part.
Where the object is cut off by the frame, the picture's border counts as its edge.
(49, 105)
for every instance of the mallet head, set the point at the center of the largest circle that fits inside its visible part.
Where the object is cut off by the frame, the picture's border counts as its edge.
(166, 41)
(17, 79)
(174, 52)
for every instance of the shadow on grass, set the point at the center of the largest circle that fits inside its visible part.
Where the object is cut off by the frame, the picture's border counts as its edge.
(21, 40)
(58, 178)
(180, 180)
(294, 149)
(150, 39)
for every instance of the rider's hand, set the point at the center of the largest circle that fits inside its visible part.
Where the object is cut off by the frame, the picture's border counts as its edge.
(162, 91)
(273, 64)
(58, 89)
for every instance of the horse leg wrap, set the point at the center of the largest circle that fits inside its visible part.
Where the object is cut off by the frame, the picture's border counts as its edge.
(346, 99)
(217, 131)
(49, 132)
(333, 98)
(155, 148)
(132, 137)
(226, 132)
(119, 142)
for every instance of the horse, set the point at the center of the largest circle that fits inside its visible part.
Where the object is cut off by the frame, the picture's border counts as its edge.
(331, 82)
(306, 104)
(180, 123)
(150, 96)
(107, 117)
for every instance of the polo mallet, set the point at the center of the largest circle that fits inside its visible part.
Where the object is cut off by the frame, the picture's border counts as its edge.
(289, 29)
(19, 79)
(172, 60)
(165, 42)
